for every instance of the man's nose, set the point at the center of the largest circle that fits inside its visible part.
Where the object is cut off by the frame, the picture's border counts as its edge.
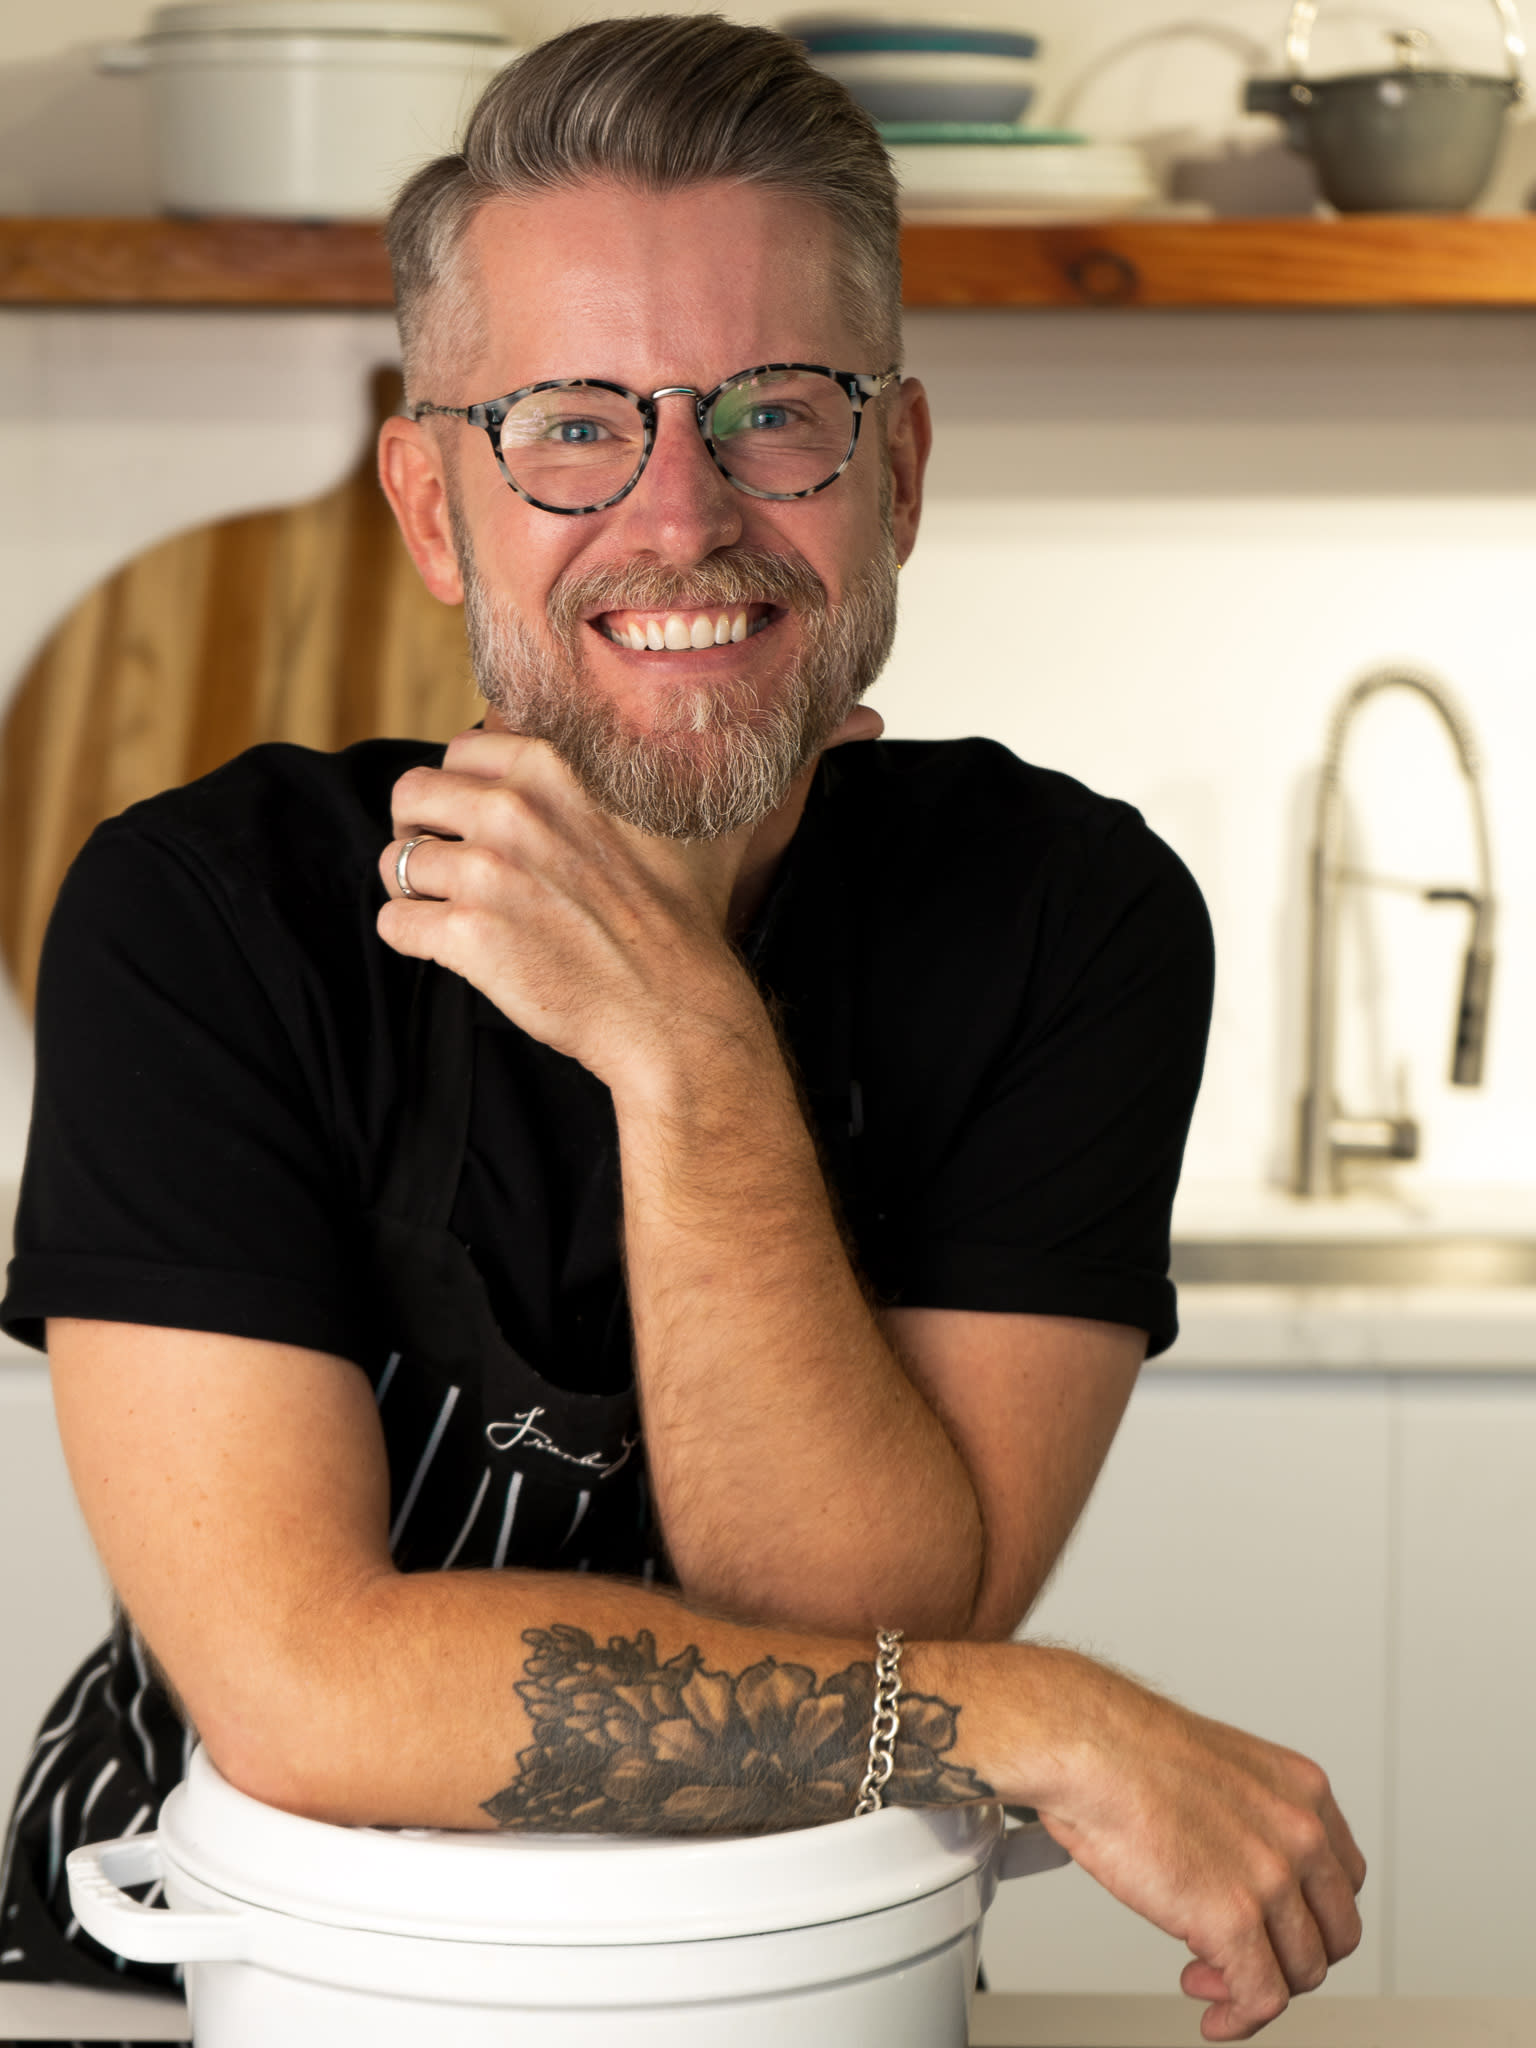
(682, 509)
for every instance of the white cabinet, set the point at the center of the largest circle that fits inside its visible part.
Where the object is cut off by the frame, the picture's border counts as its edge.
(1235, 1555)
(1347, 1564)
(1464, 1737)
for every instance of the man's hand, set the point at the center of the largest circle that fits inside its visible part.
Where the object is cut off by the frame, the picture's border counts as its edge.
(1235, 1846)
(605, 942)
(594, 937)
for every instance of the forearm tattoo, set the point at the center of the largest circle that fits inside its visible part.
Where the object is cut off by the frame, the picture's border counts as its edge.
(626, 1744)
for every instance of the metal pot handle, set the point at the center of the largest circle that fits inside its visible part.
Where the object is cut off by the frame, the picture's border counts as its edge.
(1026, 1851)
(145, 1934)
(1298, 39)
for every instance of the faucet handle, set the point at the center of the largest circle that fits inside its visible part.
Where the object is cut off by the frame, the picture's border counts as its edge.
(1476, 981)
(1472, 1019)
(1373, 1137)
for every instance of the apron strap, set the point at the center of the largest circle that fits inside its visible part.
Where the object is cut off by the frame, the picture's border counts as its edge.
(427, 1154)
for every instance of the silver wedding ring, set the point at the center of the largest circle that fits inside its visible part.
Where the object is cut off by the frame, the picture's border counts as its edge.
(401, 881)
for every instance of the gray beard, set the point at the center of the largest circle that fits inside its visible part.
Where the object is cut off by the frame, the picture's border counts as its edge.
(712, 761)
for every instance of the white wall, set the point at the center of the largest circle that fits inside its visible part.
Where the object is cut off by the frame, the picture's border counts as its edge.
(1156, 548)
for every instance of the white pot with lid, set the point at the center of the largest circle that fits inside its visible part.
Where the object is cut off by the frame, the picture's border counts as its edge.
(307, 109)
(864, 1931)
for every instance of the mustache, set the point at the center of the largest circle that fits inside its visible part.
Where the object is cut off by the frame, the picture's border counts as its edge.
(733, 576)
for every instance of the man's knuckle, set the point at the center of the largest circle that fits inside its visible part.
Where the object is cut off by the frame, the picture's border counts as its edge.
(1273, 1881)
(1306, 1837)
(1345, 1939)
(1310, 1781)
(470, 926)
(480, 868)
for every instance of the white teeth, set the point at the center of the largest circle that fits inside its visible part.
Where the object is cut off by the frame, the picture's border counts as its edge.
(677, 633)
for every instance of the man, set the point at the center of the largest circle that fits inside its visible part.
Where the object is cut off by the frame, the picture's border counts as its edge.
(883, 1055)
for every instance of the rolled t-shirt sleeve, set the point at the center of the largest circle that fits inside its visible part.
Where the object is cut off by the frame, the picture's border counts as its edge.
(1055, 1191)
(182, 1168)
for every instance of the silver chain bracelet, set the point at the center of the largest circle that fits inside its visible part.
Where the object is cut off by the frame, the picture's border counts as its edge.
(882, 1736)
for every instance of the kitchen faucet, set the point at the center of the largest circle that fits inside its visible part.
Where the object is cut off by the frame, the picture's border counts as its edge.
(1325, 1135)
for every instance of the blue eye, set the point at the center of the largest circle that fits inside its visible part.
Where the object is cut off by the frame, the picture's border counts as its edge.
(768, 416)
(577, 433)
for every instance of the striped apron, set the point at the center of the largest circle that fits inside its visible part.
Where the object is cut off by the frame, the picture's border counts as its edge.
(491, 1465)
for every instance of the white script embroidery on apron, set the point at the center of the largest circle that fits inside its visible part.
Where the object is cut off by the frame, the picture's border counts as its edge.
(523, 1429)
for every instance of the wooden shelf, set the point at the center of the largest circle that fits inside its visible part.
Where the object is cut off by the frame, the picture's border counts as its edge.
(1362, 260)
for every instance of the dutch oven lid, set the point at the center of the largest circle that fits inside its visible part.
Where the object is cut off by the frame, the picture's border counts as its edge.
(565, 1890)
(439, 20)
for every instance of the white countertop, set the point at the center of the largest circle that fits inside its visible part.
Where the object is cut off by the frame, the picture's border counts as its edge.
(1353, 1329)
(51, 2012)
(1001, 2021)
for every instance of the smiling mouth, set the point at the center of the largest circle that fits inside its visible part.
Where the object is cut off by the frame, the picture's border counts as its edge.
(675, 632)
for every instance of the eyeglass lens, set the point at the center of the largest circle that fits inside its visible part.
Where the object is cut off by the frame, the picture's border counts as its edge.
(780, 432)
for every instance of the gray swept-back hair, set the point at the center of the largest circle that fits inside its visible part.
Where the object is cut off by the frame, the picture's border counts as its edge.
(656, 103)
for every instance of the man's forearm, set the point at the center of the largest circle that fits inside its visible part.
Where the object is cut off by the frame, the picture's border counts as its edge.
(562, 1702)
(530, 1702)
(798, 1472)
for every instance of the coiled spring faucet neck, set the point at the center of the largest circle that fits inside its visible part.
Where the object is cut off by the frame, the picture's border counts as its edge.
(1325, 1135)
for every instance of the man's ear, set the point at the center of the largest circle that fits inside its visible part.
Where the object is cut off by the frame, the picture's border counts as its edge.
(414, 479)
(908, 441)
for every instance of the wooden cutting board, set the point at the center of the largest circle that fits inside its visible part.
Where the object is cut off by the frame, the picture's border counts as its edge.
(307, 624)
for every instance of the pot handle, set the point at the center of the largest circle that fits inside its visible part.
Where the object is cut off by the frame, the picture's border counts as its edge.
(145, 1934)
(1027, 1850)
(1298, 39)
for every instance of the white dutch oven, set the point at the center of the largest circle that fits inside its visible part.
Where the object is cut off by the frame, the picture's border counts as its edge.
(307, 109)
(862, 1932)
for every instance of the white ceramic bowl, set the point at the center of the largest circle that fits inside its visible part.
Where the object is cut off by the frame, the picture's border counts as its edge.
(933, 85)
(292, 1931)
(307, 109)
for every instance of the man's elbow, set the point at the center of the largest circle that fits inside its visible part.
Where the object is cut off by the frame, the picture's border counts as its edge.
(297, 1726)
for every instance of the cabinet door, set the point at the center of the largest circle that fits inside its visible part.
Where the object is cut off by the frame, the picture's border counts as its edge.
(1235, 1555)
(1465, 1730)
(53, 1597)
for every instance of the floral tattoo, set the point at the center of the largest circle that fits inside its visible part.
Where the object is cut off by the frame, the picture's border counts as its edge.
(626, 1744)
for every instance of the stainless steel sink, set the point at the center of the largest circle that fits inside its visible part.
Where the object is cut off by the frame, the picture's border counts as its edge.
(1357, 1262)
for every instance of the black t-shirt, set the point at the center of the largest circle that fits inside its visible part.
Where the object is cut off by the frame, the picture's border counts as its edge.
(995, 985)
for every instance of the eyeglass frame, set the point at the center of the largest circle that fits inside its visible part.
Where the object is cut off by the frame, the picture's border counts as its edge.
(859, 387)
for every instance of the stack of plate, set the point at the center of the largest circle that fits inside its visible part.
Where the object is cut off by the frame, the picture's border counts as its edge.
(924, 70)
(951, 102)
(955, 169)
